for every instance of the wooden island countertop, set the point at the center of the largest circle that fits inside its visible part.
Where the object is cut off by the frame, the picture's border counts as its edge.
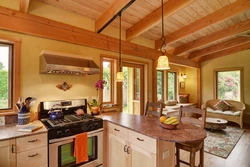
(150, 126)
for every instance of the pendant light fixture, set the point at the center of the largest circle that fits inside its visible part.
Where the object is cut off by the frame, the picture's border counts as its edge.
(162, 63)
(119, 75)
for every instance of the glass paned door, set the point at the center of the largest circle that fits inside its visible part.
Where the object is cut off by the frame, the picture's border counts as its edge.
(132, 101)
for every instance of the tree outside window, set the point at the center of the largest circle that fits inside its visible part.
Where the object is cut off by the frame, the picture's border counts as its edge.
(229, 85)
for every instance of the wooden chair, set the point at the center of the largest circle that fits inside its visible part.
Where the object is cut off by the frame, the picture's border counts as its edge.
(191, 147)
(153, 109)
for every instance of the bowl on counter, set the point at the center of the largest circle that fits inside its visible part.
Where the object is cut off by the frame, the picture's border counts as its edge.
(168, 126)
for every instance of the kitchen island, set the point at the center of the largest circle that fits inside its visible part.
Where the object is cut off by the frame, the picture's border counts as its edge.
(141, 141)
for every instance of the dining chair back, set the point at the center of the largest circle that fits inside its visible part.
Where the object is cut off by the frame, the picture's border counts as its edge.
(198, 118)
(153, 109)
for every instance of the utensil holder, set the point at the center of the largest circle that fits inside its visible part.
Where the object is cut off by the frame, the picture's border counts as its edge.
(23, 118)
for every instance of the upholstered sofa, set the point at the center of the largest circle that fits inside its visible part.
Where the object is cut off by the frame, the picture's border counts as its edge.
(233, 114)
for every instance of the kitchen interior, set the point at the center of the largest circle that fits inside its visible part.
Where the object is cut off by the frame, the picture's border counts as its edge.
(52, 145)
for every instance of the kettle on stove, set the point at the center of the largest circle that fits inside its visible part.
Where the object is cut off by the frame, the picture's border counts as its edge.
(55, 112)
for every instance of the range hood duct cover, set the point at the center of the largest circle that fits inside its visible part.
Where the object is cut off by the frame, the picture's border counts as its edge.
(62, 63)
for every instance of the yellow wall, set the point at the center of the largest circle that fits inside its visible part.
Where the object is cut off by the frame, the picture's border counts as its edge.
(241, 59)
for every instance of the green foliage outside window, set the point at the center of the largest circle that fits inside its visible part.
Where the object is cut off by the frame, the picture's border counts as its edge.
(228, 85)
(3, 87)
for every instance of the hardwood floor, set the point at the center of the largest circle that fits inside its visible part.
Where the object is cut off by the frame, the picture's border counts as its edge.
(239, 157)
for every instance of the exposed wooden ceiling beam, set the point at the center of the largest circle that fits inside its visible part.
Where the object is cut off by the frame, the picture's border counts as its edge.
(219, 47)
(155, 17)
(226, 52)
(233, 30)
(24, 5)
(219, 15)
(16, 21)
(111, 13)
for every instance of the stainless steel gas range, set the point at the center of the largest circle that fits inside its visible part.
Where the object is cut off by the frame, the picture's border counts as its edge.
(64, 124)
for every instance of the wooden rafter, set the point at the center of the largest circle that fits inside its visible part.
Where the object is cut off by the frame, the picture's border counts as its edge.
(155, 17)
(24, 5)
(226, 52)
(220, 15)
(110, 14)
(233, 30)
(219, 47)
(16, 21)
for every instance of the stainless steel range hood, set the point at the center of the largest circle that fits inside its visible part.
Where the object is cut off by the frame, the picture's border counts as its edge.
(63, 63)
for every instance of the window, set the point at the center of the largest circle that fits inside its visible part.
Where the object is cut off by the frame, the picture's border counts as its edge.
(160, 85)
(172, 88)
(108, 66)
(229, 84)
(137, 84)
(9, 73)
(5, 76)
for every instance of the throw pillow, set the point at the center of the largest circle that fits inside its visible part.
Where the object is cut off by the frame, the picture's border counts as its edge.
(222, 105)
(183, 98)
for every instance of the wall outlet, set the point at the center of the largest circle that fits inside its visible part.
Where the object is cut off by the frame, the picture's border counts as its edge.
(165, 154)
(2, 120)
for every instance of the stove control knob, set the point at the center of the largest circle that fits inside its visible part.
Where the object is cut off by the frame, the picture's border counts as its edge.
(95, 125)
(59, 133)
(90, 127)
(67, 131)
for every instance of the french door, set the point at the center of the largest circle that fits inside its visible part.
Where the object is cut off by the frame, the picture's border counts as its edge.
(132, 89)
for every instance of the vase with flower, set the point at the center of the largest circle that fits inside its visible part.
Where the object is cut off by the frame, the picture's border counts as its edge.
(95, 105)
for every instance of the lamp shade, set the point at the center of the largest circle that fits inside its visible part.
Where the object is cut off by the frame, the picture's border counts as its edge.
(119, 77)
(162, 63)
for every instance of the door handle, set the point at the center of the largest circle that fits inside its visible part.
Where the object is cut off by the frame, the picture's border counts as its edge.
(140, 139)
(125, 149)
(128, 150)
(33, 155)
(12, 148)
(117, 130)
(32, 141)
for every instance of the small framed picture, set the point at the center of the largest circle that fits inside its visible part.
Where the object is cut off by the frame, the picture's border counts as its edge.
(182, 85)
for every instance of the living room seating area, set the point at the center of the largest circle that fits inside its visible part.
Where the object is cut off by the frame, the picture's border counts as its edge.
(229, 110)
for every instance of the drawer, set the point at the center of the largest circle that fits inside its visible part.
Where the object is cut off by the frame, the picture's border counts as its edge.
(117, 131)
(31, 142)
(32, 158)
(143, 141)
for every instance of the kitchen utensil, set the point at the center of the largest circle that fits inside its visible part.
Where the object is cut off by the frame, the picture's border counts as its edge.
(55, 112)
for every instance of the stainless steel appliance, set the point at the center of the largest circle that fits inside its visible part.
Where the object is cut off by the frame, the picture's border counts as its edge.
(61, 133)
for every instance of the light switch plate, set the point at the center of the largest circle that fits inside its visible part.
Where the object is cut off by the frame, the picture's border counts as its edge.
(165, 154)
(2, 120)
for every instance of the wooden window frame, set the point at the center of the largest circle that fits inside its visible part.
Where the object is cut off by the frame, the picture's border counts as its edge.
(16, 43)
(241, 69)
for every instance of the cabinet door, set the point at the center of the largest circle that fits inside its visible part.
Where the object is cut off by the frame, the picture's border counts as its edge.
(8, 157)
(117, 152)
(141, 157)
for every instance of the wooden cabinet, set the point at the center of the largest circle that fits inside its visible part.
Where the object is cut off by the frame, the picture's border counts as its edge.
(7, 154)
(127, 148)
(31, 151)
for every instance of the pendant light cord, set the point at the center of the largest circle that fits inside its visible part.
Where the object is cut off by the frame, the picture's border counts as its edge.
(120, 43)
(163, 51)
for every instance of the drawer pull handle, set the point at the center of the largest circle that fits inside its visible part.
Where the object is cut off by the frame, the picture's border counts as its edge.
(128, 150)
(33, 155)
(140, 139)
(125, 149)
(117, 130)
(32, 141)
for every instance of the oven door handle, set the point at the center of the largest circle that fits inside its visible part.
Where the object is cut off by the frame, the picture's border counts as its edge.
(90, 134)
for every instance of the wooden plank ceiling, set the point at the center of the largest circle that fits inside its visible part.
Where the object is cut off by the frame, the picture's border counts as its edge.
(198, 30)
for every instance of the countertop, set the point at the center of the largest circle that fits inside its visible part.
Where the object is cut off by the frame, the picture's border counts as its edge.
(150, 126)
(10, 131)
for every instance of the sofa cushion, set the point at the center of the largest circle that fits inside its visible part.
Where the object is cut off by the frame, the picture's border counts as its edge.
(226, 112)
(222, 105)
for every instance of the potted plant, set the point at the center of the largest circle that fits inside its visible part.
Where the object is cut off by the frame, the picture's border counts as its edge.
(95, 106)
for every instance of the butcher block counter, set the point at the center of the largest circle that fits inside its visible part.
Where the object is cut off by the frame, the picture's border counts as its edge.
(142, 140)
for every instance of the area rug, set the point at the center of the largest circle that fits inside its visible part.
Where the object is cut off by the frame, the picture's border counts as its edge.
(221, 143)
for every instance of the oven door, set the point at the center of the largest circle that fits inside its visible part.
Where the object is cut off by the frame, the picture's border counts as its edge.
(61, 151)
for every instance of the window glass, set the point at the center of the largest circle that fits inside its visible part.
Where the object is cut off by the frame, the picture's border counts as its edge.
(229, 85)
(5, 76)
(172, 89)
(107, 76)
(137, 84)
(160, 85)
